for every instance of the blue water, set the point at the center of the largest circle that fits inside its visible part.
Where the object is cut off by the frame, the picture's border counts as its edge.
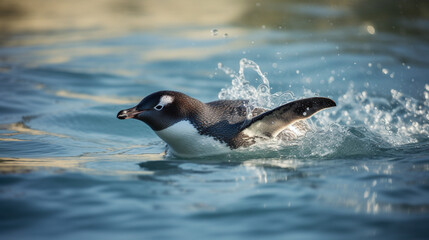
(69, 169)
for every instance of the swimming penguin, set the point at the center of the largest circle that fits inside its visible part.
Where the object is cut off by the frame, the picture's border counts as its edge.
(192, 128)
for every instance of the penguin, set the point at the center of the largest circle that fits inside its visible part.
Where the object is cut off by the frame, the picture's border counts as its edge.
(192, 128)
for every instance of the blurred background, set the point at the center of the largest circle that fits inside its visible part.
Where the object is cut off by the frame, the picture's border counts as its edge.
(67, 68)
(149, 40)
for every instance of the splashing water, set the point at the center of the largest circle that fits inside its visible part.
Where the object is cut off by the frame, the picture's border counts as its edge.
(259, 96)
(361, 124)
(242, 89)
(214, 32)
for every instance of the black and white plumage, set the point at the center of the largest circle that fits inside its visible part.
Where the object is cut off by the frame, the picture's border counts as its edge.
(192, 128)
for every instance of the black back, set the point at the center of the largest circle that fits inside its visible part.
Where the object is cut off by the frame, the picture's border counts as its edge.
(224, 121)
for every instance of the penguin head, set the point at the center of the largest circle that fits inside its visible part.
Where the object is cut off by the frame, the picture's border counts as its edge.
(161, 109)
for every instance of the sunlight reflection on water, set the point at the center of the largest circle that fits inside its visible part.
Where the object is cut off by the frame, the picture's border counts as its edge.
(67, 67)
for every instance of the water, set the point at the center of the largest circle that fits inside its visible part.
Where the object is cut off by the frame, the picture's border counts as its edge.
(70, 169)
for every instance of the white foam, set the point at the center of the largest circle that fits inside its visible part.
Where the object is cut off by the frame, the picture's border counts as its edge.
(360, 123)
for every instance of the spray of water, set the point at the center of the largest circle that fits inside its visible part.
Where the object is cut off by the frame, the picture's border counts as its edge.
(361, 124)
(258, 96)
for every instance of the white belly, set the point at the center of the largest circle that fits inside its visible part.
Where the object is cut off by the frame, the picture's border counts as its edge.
(185, 141)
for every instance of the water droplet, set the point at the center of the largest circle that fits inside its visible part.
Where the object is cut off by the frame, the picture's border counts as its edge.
(385, 71)
(263, 27)
(214, 32)
(369, 64)
(297, 71)
(263, 88)
(274, 65)
(370, 29)
(304, 114)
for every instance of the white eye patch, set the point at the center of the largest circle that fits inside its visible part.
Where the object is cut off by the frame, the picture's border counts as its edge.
(166, 99)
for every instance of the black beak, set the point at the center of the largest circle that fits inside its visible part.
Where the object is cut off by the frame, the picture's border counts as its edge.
(128, 113)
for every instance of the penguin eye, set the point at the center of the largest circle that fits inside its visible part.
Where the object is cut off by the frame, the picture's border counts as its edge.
(159, 107)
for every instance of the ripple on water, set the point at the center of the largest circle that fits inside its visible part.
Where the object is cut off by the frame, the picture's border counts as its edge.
(70, 169)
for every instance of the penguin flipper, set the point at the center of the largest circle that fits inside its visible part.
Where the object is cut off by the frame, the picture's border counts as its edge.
(271, 123)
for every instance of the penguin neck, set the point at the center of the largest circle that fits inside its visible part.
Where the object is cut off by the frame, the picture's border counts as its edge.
(195, 111)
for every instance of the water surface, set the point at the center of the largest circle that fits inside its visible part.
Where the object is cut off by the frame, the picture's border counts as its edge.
(70, 169)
